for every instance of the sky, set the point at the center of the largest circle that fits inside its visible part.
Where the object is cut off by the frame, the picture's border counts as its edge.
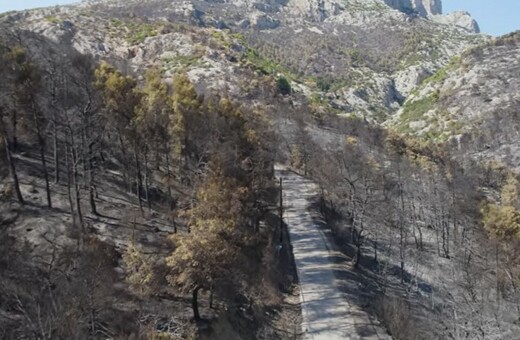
(494, 17)
(10, 5)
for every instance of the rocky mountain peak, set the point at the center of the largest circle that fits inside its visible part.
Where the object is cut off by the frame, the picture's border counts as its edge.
(432, 9)
(424, 8)
(459, 19)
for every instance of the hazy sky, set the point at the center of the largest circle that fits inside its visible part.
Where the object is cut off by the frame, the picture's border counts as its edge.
(494, 17)
(9, 5)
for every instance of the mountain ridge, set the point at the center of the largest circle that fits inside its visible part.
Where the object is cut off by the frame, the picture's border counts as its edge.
(384, 52)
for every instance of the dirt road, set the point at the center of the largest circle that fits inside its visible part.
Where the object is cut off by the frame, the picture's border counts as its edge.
(329, 289)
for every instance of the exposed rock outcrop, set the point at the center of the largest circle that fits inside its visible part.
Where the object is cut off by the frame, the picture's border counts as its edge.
(317, 10)
(407, 80)
(263, 21)
(424, 8)
(459, 19)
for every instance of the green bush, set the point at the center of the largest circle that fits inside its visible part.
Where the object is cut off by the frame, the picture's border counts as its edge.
(52, 19)
(323, 84)
(415, 110)
(283, 85)
(139, 32)
(116, 22)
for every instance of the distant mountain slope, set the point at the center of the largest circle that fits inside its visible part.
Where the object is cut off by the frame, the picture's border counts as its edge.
(473, 102)
(356, 57)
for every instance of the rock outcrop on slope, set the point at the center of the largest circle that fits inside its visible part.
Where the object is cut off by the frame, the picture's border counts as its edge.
(474, 102)
(424, 8)
(460, 19)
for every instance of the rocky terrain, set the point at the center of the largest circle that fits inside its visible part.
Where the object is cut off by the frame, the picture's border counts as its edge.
(473, 103)
(360, 57)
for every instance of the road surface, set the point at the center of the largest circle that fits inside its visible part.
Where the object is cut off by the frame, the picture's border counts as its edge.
(329, 291)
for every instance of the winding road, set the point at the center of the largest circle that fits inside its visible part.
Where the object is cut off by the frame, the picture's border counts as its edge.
(330, 293)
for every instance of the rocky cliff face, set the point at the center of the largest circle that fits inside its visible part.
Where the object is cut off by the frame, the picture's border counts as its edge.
(424, 8)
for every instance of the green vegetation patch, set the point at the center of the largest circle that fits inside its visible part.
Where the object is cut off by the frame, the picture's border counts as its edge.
(182, 61)
(415, 110)
(116, 22)
(268, 66)
(441, 126)
(226, 40)
(284, 87)
(52, 19)
(85, 14)
(139, 32)
(442, 74)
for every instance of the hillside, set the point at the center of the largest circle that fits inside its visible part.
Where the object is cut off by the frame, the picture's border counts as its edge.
(359, 58)
(102, 177)
(472, 103)
(138, 197)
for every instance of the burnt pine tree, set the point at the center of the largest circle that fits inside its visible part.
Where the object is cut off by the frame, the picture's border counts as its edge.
(6, 119)
(27, 87)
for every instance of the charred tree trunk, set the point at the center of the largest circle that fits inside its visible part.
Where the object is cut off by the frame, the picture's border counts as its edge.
(123, 154)
(402, 231)
(92, 180)
(55, 152)
(157, 156)
(195, 304)
(375, 251)
(146, 186)
(170, 194)
(84, 158)
(281, 211)
(45, 170)
(168, 176)
(357, 257)
(75, 178)
(69, 187)
(41, 143)
(358, 242)
(138, 178)
(211, 298)
(14, 119)
(12, 169)
(402, 271)
(446, 239)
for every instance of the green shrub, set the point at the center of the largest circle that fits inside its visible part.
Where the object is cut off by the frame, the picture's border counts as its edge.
(442, 74)
(283, 85)
(181, 60)
(116, 22)
(138, 33)
(415, 110)
(323, 84)
(52, 19)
